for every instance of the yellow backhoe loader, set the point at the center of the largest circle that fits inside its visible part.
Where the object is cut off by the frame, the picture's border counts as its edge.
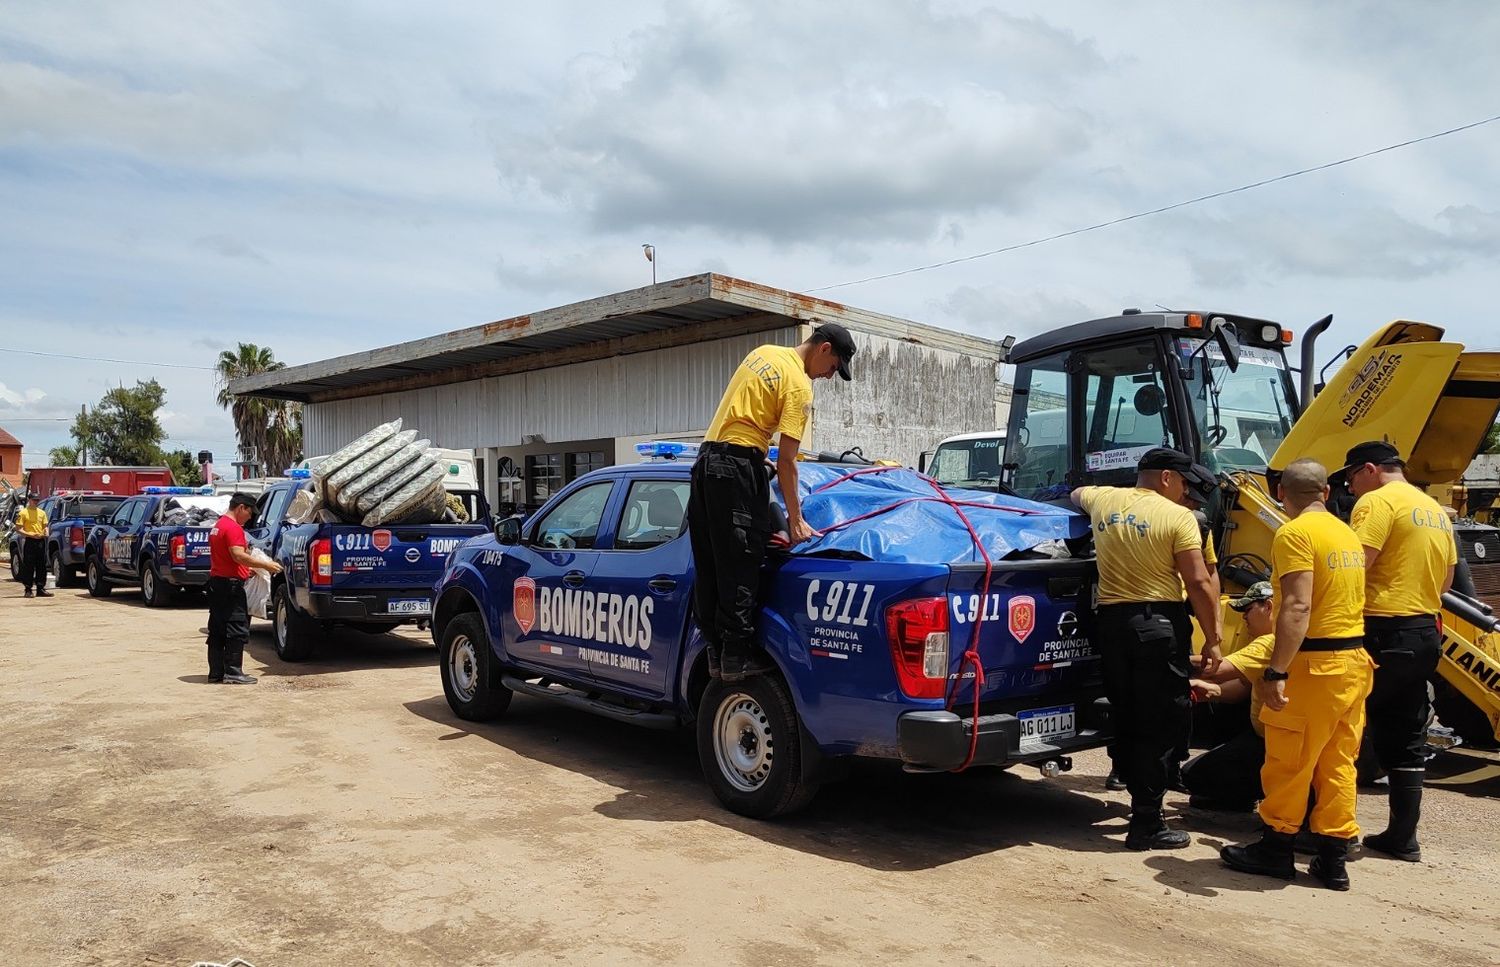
(1090, 398)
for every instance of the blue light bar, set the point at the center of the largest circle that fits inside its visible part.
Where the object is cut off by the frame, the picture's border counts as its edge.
(299, 473)
(180, 491)
(667, 450)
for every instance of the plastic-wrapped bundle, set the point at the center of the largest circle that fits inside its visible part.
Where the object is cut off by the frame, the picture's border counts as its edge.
(337, 486)
(391, 475)
(341, 458)
(422, 500)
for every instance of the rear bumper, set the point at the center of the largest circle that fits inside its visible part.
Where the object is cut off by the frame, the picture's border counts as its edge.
(935, 741)
(365, 605)
(184, 577)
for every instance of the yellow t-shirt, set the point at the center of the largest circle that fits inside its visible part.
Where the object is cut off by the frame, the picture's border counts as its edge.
(770, 392)
(1137, 536)
(1210, 556)
(1416, 547)
(1319, 542)
(32, 523)
(1252, 661)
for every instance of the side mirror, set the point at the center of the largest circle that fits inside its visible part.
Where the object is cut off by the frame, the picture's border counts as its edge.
(1229, 346)
(508, 530)
(922, 460)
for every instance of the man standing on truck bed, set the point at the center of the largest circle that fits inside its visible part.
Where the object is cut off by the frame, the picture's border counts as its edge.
(32, 523)
(1409, 561)
(1149, 549)
(1314, 687)
(228, 613)
(729, 505)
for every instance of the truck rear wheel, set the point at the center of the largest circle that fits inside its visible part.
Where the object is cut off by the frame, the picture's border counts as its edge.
(62, 575)
(294, 631)
(468, 668)
(98, 586)
(15, 563)
(749, 747)
(152, 592)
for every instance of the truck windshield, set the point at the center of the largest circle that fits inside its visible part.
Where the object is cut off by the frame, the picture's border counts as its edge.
(974, 464)
(1242, 416)
(92, 506)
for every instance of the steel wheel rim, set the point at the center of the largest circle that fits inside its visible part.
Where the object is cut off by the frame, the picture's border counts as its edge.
(94, 573)
(743, 742)
(57, 567)
(279, 623)
(463, 668)
(148, 584)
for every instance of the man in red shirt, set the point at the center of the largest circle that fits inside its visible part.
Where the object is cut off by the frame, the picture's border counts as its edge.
(228, 614)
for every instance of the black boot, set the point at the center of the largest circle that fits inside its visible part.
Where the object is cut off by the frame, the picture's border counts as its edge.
(234, 676)
(1328, 865)
(1400, 837)
(1113, 782)
(1148, 830)
(715, 663)
(741, 660)
(1271, 856)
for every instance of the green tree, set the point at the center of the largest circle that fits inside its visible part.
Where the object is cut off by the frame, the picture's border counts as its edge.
(184, 467)
(273, 428)
(1491, 442)
(64, 456)
(123, 429)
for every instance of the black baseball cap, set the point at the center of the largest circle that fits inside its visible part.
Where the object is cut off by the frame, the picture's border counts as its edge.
(1378, 452)
(241, 500)
(1201, 482)
(843, 344)
(1165, 458)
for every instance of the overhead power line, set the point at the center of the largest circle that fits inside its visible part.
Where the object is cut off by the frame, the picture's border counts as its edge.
(104, 359)
(1165, 208)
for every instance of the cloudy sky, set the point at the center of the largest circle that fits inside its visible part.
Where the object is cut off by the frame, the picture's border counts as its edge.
(323, 178)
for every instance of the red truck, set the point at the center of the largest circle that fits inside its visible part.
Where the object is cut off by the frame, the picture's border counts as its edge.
(123, 481)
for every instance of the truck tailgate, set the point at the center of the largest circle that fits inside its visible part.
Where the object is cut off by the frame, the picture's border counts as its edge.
(393, 557)
(195, 544)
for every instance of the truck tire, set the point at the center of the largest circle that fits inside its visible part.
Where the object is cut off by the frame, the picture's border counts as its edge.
(1455, 711)
(62, 577)
(749, 747)
(15, 563)
(99, 587)
(295, 632)
(468, 668)
(153, 593)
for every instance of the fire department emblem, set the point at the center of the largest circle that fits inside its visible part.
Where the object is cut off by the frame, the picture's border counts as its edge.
(523, 604)
(381, 539)
(1022, 616)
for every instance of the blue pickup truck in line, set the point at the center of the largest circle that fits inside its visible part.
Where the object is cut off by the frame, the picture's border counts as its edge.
(588, 603)
(71, 517)
(135, 547)
(372, 579)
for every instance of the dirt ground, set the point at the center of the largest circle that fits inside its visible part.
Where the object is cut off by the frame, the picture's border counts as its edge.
(337, 812)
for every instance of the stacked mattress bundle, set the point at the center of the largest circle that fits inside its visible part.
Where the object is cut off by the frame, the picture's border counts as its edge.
(387, 476)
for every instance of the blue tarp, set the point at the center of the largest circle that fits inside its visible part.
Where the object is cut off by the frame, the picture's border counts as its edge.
(923, 531)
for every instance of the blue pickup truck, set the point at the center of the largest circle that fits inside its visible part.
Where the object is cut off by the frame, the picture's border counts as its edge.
(368, 578)
(71, 517)
(136, 547)
(588, 603)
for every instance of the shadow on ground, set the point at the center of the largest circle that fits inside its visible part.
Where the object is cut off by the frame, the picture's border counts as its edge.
(341, 650)
(876, 816)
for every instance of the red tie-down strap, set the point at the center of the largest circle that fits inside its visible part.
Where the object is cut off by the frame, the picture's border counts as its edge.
(971, 654)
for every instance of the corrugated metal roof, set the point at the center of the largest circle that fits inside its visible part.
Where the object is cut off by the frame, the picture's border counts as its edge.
(611, 325)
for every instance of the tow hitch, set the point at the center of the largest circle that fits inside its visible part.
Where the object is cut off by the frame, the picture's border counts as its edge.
(1052, 768)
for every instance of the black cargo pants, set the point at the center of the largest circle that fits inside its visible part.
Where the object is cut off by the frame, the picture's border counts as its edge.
(1406, 651)
(1145, 647)
(33, 568)
(729, 523)
(228, 626)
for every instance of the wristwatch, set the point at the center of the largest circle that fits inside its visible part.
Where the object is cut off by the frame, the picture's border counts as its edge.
(1272, 675)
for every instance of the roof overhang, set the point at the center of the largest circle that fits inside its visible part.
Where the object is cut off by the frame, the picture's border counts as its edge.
(660, 316)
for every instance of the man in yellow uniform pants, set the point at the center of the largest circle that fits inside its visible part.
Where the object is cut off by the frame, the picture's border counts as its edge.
(1314, 688)
(1149, 549)
(31, 523)
(1409, 561)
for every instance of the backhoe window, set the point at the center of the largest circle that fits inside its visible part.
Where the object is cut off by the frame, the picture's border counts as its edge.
(1037, 440)
(974, 464)
(1126, 411)
(1243, 416)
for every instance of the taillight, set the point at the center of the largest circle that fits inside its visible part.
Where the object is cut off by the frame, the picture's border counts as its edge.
(179, 550)
(75, 537)
(918, 631)
(320, 562)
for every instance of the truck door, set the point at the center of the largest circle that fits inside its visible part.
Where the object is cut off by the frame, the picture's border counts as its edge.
(270, 511)
(642, 589)
(120, 539)
(1084, 417)
(540, 596)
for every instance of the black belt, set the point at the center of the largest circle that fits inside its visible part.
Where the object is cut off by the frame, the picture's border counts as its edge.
(1170, 609)
(732, 449)
(1332, 644)
(1401, 620)
(219, 577)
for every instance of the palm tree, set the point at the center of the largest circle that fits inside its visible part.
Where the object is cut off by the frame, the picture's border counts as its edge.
(256, 421)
